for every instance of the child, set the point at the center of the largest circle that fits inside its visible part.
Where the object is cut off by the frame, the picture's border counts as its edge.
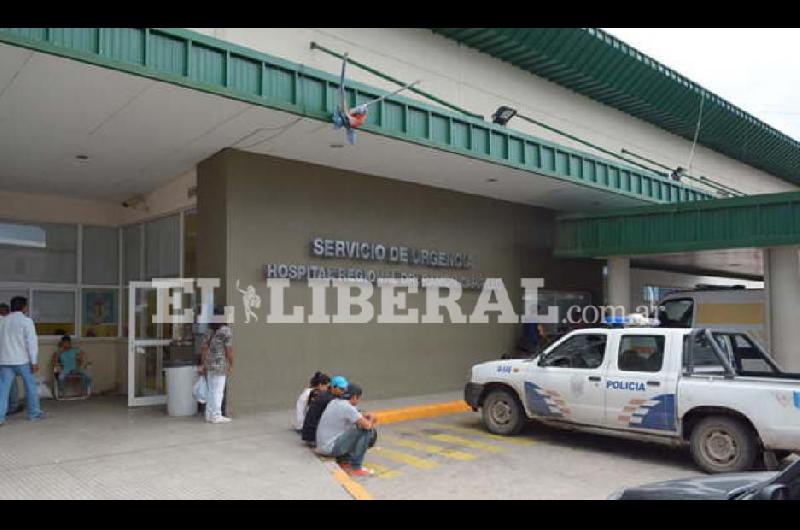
(318, 384)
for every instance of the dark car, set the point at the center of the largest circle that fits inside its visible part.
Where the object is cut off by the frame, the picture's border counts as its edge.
(767, 485)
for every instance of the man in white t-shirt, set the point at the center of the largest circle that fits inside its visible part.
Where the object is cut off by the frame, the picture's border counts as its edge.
(19, 355)
(346, 433)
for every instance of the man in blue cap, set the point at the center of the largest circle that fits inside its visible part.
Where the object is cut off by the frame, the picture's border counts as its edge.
(317, 407)
(347, 433)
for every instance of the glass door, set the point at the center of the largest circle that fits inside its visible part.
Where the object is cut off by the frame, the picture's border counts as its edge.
(146, 348)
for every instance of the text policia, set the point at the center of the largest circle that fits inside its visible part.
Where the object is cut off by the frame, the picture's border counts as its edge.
(354, 302)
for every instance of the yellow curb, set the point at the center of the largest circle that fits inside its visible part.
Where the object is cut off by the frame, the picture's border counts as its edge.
(356, 490)
(421, 411)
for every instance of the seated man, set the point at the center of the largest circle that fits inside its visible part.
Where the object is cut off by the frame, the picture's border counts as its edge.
(70, 361)
(317, 407)
(346, 433)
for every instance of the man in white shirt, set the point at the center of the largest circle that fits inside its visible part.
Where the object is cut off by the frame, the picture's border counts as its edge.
(19, 355)
(346, 433)
(14, 405)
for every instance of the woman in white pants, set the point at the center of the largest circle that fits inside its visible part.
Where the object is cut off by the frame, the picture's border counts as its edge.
(216, 363)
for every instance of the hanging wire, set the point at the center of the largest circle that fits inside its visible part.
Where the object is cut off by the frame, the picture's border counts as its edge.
(281, 129)
(696, 131)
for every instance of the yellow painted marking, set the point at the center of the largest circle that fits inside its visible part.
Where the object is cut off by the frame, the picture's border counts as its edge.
(356, 490)
(731, 314)
(383, 471)
(474, 444)
(476, 432)
(429, 448)
(405, 458)
(421, 411)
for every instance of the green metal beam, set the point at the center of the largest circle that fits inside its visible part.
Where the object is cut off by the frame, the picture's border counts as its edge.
(640, 86)
(741, 222)
(191, 60)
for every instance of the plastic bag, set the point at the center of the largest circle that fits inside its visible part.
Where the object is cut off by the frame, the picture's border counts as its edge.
(43, 389)
(200, 390)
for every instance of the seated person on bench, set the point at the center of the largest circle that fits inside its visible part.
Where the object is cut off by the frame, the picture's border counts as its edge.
(70, 361)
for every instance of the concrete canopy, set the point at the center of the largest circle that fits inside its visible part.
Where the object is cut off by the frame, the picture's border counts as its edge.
(147, 104)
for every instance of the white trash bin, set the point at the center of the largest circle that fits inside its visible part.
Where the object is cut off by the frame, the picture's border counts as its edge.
(180, 382)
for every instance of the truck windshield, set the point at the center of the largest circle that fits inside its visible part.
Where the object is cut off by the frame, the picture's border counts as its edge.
(676, 313)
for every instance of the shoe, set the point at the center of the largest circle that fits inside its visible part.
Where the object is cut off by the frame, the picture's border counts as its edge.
(346, 466)
(38, 417)
(221, 419)
(362, 472)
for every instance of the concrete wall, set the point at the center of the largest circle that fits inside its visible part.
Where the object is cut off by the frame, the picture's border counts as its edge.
(480, 83)
(274, 207)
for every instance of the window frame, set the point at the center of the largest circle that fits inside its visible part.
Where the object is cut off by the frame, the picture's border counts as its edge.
(79, 286)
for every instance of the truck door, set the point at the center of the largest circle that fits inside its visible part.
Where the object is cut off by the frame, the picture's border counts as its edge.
(567, 382)
(640, 385)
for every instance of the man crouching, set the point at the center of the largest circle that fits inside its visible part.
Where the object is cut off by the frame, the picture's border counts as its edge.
(346, 434)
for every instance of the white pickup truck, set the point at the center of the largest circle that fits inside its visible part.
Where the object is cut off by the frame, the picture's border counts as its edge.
(717, 391)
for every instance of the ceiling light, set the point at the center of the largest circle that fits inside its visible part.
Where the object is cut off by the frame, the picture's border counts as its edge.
(337, 146)
(503, 115)
(82, 157)
(491, 180)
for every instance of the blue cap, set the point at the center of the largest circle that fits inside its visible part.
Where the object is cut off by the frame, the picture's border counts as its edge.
(339, 382)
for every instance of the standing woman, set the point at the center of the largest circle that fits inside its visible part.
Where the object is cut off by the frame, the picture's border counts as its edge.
(216, 363)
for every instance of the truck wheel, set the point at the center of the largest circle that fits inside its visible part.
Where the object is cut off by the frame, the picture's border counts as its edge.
(502, 413)
(722, 444)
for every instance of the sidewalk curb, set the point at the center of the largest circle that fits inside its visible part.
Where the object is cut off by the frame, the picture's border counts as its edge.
(419, 412)
(356, 490)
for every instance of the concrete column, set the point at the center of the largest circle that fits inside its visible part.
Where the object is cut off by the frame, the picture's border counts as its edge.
(782, 284)
(618, 280)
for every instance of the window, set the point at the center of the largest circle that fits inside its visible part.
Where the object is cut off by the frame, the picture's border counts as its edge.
(100, 261)
(99, 313)
(53, 312)
(677, 313)
(55, 262)
(580, 351)
(132, 253)
(704, 359)
(162, 248)
(743, 354)
(76, 289)
(641, 353)
(7, 294)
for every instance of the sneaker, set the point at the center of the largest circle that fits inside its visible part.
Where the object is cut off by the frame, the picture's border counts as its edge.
(345, 466)
(221, 419)
(362, 472)
(40, 416)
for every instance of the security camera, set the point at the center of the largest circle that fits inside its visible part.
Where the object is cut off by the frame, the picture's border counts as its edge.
(136, 202)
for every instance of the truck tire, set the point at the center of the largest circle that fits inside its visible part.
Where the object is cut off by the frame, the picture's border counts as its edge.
(723, 444)
(502, 413)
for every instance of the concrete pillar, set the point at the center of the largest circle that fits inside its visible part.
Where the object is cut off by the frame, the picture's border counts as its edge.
(618, 283)
(782, 285)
